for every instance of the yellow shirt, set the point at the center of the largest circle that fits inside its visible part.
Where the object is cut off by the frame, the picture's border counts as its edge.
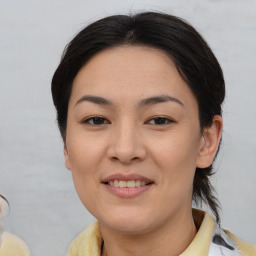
(89, 242)
(13, 246)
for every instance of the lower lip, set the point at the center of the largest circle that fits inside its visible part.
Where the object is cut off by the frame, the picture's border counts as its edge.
(127, 192)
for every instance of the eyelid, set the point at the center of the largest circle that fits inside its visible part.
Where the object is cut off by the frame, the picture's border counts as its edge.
(87, 119)
(163, 117)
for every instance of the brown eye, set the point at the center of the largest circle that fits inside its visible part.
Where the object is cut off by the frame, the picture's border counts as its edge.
(160, 121)
(95, 120)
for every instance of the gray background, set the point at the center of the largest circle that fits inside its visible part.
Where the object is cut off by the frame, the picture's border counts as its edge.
(45, 210)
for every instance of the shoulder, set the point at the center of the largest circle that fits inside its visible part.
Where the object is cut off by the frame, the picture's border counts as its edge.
(245, 248)
(217, 241)
(13, 245)
(225, 243)
(87, 243)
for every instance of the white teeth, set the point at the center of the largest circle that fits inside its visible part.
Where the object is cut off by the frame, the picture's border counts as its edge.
(137, 183)
(116, 183)
(130, 184)
(122, 184)
(127, 184)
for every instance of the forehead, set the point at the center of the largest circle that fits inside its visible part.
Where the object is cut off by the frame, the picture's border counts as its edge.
(124, 62)
(130, 72)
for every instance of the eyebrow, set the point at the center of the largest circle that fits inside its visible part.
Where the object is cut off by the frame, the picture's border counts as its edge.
(143, 103)
(95, 99)
(158, 99)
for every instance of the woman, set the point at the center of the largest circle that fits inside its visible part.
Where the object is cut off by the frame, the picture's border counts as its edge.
(138, 102)
(10, 244)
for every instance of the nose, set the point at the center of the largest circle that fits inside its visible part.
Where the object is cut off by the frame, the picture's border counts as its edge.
(126, 144)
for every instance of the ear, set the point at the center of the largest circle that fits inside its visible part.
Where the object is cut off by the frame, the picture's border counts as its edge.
(66, 156)
(210, 143)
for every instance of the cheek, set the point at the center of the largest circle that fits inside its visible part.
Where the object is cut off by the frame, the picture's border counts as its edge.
(85, 157)
(85, 180)
(176, 157)
(176, 151)
(85, 151)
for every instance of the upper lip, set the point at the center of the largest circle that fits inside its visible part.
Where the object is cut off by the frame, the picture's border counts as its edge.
(126, 177)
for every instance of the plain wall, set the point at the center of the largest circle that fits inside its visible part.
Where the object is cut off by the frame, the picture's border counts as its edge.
(45, 210)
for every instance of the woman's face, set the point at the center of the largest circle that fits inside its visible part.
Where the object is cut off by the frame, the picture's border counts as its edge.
(133, 139)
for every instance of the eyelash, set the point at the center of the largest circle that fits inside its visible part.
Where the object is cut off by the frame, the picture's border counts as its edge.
(86, 121)
(162, 118)
(94, 118)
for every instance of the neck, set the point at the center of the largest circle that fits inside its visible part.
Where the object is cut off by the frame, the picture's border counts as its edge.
(171, 239)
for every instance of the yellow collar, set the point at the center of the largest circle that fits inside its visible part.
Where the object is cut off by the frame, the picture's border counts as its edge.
(201, 242)
(89, 242)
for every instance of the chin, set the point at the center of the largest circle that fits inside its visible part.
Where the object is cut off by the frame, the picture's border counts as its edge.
(128, 222)
(134, 228)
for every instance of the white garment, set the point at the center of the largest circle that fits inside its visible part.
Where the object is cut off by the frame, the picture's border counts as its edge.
(221, 244)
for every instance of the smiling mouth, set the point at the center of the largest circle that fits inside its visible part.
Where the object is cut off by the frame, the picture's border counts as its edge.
(127, 184)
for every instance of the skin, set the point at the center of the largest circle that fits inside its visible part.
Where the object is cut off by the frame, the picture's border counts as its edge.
(131, 140)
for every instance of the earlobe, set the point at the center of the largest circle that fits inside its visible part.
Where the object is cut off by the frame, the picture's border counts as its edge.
(210, 142)
(66, 156)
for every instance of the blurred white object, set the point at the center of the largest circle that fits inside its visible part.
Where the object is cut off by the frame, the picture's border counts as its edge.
(4, 207)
